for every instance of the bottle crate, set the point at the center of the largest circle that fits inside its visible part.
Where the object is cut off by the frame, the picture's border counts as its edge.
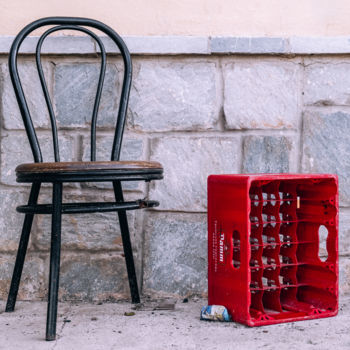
(266, 262)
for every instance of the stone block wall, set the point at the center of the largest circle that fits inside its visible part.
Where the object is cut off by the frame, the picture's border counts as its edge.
(230, 109)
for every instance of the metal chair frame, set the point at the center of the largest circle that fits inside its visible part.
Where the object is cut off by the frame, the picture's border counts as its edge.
(77, 174)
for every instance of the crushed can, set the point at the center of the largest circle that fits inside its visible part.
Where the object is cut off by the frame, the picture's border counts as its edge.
(215, 313)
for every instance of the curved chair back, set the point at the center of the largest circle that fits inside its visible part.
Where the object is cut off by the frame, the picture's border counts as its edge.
(79, 24)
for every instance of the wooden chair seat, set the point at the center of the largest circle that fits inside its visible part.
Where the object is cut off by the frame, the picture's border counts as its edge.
(90, 171)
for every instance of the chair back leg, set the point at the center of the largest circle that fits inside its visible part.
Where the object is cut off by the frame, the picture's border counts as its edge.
(22, 250)
(129, 259)
(55, 256)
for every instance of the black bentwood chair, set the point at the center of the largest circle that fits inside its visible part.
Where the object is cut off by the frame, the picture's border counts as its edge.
(59, 172)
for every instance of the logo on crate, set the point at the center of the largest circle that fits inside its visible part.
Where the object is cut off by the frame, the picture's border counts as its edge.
(221, 246)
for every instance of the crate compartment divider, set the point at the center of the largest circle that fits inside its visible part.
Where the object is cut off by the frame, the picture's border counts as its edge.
(263, 246)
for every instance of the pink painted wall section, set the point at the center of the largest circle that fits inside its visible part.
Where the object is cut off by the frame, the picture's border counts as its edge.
(191, 17)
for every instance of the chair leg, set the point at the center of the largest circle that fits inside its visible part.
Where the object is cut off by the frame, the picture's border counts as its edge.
(54, 261)
(129, 259)
(22, 250)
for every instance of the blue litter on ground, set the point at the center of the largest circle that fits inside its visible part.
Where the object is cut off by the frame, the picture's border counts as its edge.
(215, 313)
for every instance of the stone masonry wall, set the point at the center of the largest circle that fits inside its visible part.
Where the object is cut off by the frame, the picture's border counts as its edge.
(197, 115)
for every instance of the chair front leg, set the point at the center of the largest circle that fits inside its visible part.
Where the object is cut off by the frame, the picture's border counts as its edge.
(55, 255)
(22, 250)
(129, 259)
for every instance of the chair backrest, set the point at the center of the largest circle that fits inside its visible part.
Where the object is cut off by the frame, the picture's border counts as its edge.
(79, 24)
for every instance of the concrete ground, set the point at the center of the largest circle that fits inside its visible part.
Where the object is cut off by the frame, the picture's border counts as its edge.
(93, 326)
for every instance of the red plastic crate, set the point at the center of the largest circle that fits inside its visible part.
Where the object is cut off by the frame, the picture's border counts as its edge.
(263, 246)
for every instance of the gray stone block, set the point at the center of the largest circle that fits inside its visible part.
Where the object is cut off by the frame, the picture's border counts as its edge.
(15, 150)
(132, 149)
(327, 83)
(344, 275)
(182, 44)
(265, 45)
(175, 259)
(344, 231)
(96, 231)
(266, 154)
(161, 45)
(326, 147)
(33, 286)
(5, 43)
(250, 45)
(229, 45)
(75, 91)
(90, 277)
(67, 44)
(319, 45)
(33, 92)
(261, 95)
(187, 163)
(10, 221)
(173, 95)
